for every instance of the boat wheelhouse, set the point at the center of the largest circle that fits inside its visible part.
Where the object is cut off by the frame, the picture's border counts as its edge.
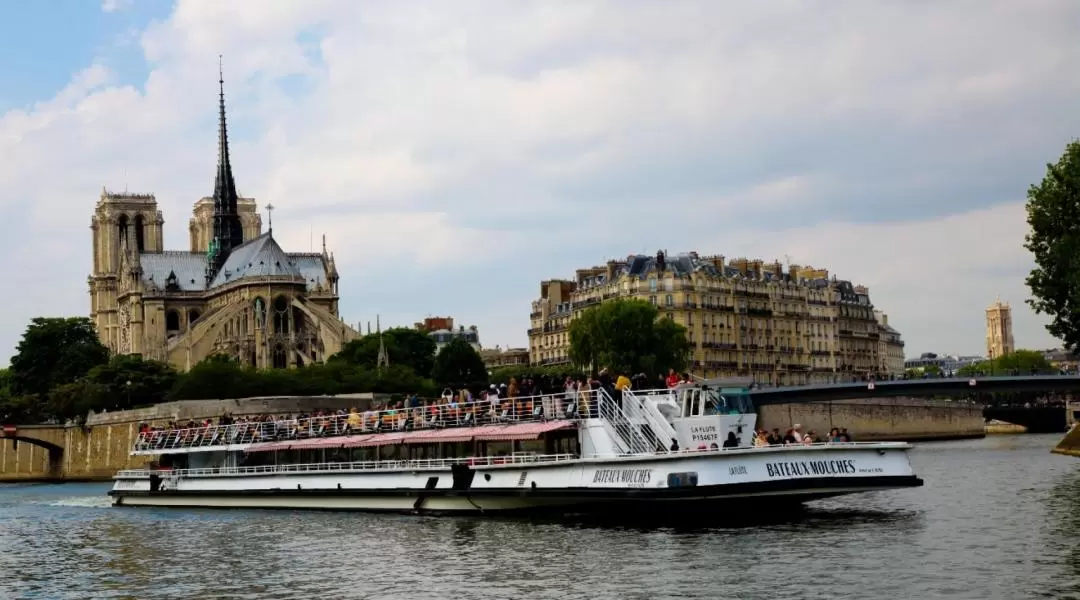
(690, 447)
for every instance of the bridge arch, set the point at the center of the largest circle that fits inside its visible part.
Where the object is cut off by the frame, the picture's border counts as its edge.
(56, 452)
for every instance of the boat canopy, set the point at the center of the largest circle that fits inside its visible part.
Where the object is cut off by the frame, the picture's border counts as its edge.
(487, 433)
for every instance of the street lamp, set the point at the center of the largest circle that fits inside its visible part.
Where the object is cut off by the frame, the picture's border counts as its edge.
(128, 386)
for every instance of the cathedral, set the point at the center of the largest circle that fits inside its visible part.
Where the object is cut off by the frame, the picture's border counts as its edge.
(235, 292)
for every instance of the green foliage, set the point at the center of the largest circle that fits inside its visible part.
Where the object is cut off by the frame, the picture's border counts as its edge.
(214, 378)
(626, 337)
(458, 365)
(128, 381)
(519, 372)
(54, 352)
(62, 372)
(407, 347)
(1023, 362)
(1053, 213)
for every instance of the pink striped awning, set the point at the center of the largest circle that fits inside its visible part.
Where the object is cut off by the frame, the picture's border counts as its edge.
(379, 439)
(443, 436)
(269, 446)
(520, 431)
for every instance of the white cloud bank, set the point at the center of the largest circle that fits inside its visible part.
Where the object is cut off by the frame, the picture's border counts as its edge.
(457, 153)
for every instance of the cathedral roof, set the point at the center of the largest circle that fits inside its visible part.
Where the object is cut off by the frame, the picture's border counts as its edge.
(260, 257)
(188, 267)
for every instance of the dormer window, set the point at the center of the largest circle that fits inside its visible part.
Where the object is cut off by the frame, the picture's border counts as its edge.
(171, 283)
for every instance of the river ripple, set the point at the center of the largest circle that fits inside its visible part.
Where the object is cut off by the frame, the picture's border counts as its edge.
(997, 518)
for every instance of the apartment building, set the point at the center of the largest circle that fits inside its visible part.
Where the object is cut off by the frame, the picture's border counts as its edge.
(743, 317)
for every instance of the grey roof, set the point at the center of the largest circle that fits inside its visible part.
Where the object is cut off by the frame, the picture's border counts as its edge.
(260, 257)
(189, 268)
(311, 267)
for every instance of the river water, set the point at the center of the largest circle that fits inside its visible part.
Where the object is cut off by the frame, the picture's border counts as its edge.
(997, 518)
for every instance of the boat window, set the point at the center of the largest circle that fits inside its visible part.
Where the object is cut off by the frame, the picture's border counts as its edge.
(728, 403)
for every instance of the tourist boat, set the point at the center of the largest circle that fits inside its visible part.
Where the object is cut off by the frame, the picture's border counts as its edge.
(688, 449)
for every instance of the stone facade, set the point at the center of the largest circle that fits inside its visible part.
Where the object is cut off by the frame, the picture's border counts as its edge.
(743, 317)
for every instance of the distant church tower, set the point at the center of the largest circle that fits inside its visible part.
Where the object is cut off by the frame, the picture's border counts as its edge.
(120, 221)
(999, 330)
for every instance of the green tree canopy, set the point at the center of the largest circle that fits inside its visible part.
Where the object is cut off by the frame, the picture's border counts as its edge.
(54, 352)
(1053, 213)
(458, 365)
(407, 347)
(626, 337)
(127, 381)
(1023, 362)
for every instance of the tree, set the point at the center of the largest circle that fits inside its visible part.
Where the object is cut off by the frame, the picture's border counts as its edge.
(407, 347)
(626, 337)
(458, 365)
(1022, 362)
(54, 352)
(1053, 213)
(128, 381)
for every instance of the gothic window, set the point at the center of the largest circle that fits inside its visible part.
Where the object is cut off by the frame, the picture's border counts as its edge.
(281, 315)
(172, 321)
(139, 233)
(280, 358)
(193, 315)
(260, 313)
(122, 229)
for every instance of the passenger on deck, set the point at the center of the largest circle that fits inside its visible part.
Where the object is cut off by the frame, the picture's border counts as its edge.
(672, 378)
(732, 441)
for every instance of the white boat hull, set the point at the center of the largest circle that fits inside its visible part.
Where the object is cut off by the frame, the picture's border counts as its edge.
(688, 481)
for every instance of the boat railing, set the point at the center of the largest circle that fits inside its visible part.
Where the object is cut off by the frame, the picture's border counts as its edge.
(646, 412)
(443, 414)
(440, 463)
(370, 465)
(630, 435)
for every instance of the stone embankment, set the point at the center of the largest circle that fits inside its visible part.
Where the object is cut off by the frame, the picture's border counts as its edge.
(102, 447)
(881, 419)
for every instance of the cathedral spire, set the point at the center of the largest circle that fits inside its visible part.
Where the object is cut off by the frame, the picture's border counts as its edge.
(228, 231)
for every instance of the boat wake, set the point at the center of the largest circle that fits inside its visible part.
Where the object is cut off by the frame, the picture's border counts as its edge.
(81, 502)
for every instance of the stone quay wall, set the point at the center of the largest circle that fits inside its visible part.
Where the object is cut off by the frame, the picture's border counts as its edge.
(880, 419)
(103, 446)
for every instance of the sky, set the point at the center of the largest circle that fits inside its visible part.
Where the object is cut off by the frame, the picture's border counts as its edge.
(456, 154)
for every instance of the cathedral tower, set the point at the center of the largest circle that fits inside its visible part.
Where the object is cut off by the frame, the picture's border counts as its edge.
(120, 220)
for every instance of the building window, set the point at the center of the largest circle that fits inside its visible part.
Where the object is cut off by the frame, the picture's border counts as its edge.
(652, 285)
(669, 301)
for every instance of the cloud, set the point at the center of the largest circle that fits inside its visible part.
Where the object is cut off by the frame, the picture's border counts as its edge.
(455, 156)
(115, 5)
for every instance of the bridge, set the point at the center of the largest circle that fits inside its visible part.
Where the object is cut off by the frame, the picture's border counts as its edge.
(942, 386)
(1038, 419)
(56, 452)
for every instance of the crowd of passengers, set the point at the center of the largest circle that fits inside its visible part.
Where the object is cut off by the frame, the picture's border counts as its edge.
(516, 401)
(795, 435)
(527, 399)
